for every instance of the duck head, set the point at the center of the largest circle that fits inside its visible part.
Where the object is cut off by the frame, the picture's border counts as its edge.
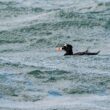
(67, 48)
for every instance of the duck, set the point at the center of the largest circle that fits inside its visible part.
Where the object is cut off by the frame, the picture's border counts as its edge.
(68, 48)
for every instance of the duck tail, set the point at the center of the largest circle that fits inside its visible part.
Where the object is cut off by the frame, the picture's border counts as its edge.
(87, 50)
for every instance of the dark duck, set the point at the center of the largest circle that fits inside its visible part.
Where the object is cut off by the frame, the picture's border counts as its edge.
(69, 51)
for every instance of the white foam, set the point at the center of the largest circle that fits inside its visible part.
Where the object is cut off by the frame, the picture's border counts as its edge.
(74, 102)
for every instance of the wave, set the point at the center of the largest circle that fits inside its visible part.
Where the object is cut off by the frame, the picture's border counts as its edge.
(88, 19)
(11, 41)
(12, 88)
(96, 14)
(80, 83)
(25, 89)
(88, 84)
(15, 6)
(52, 75)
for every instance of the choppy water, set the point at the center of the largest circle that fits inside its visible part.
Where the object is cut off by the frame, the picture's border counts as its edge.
(33, 76)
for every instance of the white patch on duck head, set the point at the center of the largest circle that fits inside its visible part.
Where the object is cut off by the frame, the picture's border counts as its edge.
(65, 45)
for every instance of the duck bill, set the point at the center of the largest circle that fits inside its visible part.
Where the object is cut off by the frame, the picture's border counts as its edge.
(58, 49)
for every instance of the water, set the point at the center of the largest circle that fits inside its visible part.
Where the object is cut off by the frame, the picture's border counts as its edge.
(33, 76)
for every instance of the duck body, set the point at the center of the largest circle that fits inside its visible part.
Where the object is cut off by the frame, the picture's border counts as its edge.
(69, 51)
